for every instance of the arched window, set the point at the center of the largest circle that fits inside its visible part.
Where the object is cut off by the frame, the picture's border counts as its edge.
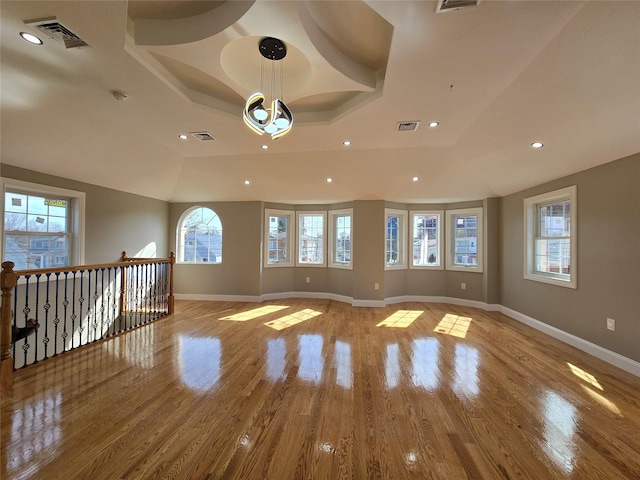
(199, 236)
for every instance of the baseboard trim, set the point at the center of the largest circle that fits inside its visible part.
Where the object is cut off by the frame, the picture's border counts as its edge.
(597, 351)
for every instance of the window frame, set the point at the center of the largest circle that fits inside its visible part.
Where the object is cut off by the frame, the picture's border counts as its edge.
(531, 205)
(290, 240)
(402, 215)
(439, 239)
(333, 216)
(299, 261)
(451, 239)
(179, 239)
(76, 218)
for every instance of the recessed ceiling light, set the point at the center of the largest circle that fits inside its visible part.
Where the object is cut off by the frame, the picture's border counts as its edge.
(247, 182)
(31, 38)
(346, 143)
(434, 124)
(329, 180)
(265, 147)
(415, 179)
(537, 144)
(182, 136)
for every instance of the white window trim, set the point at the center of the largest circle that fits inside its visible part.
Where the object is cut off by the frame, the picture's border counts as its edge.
(450, 240)
(300, 263)
(402, 239)
(530, 204)
(291, 237)
(77, 215)
(180, 247)
(440, 238)
(332, 238)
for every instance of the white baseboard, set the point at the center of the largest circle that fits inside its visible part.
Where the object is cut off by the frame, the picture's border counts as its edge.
(597, 351)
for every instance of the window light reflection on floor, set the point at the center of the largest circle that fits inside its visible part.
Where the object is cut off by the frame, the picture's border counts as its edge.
(401, 319)
(602, 400)
(293, 319)
(586, 376)
(255, 313)
(454, 325)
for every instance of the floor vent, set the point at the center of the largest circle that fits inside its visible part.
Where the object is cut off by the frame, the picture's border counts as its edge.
(407, 126)
(448, 5)
(202, 136)
(58, 32)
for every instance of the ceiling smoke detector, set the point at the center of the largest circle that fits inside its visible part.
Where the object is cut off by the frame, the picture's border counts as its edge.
(407, 126)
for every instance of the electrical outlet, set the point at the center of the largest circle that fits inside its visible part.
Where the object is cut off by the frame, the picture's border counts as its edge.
(308, 279)
(376, 286)
(463, 286)
(611, 324)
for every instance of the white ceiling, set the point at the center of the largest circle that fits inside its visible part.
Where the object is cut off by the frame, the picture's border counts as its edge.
(497, 77)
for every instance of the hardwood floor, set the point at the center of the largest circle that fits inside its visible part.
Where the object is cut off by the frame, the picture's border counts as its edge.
(301, 389)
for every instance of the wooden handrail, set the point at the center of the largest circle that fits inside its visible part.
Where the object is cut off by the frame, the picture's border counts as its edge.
(9, 280)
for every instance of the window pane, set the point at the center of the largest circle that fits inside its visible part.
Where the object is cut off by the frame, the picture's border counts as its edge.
(311, 241)
(28, 219)
(278, 239)
(343, 239)
(554, 220)
(466, 242)
(201, 236)
(426, 251)
(553, 256)
(393, 242)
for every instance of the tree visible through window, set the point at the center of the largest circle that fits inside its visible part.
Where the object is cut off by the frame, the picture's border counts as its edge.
(200, 237)
(426, 239)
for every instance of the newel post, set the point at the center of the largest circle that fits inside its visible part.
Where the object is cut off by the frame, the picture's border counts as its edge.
(9, 280)
(171, 299)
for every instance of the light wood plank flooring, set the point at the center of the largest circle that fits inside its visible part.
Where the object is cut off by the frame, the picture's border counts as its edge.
(317, 389)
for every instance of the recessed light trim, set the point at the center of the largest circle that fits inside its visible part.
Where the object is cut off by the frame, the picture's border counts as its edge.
(247, 182)
(29, 37)
(537, 145)
(264, 147)
(329, 180)
(434, 124)
(182, 136)
(346, 143)
(415, 179)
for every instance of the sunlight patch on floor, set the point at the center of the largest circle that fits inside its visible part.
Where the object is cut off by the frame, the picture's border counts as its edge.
(401, 319)
(586, 376)
(605, 402)
(254, 313)
(454, 325)
(293, 319)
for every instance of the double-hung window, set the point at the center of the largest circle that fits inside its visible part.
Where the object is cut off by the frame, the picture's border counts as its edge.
(311, 238)
(395, 239)
(465, 240)
(278, 238)
(550, 237)
(43, 226)
(340, 235)
(426, 243)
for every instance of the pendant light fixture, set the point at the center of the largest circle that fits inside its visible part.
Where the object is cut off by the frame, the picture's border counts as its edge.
(276, 120)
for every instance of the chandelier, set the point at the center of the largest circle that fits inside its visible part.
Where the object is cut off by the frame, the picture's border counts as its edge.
(277, 119)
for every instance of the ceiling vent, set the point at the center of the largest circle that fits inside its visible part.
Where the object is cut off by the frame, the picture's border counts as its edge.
(448, 5)
(202, 136)
(58, 32)
(407, 126)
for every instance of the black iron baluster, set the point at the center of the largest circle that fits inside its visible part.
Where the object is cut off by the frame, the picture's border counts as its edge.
(25, 310)
(73, 310)
(80, 304)
(102, 309)
(47, 307)
(35, 339)
(56, 320)
(65, 305)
